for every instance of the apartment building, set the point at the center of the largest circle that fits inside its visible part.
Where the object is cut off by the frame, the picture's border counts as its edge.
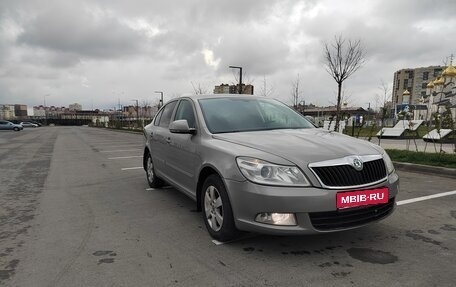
(415, 82)
(13, 112)
(233, 89)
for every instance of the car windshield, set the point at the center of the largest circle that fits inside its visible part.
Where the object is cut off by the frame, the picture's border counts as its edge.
(226, 115)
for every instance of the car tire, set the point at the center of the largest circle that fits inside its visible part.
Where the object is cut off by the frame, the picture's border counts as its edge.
(16, 129)
(152, 178)
(217, 211)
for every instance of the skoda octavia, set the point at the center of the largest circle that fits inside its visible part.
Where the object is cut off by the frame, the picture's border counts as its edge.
(254, 164)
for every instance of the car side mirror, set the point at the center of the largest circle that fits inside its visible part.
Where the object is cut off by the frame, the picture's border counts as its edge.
(181, 127)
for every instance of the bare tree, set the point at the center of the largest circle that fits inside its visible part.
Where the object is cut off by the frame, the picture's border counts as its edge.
(295, 92)
(383, 99)
(145, 109)
(198, 89)
(266, 90)
(342, 59)
(346, 99)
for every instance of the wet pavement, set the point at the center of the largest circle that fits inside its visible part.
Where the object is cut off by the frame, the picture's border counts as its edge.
(75, 210)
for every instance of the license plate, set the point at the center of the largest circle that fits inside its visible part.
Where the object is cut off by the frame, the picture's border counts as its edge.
(362, 197)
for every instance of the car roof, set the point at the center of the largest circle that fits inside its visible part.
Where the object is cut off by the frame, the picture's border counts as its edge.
(210, 96)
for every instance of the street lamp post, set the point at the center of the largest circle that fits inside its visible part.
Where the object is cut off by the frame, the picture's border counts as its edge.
(240, 77)
(160, 104)
(368, 113)
(45, 110)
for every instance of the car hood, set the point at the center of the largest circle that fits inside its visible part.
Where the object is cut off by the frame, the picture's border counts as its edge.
(302, 146)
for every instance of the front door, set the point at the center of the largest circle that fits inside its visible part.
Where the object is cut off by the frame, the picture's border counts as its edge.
(182, 158)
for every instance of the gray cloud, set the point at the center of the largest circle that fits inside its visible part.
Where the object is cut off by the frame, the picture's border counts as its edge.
(78, 32)
(128, 49)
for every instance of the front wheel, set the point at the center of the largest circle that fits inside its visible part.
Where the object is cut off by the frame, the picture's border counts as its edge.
(217, 212)
(16, 129)
(152, 179)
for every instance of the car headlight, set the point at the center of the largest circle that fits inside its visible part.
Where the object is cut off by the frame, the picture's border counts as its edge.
(388, 163)
(263, 172)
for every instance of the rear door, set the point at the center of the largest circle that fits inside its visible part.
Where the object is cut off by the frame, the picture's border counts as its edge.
(160, 139)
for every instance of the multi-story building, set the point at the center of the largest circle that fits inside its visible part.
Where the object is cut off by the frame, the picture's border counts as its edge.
(20, 111)
(233, 89)
(415, 82)
(133, 112)
(75, 107)
(48, 111)
(39, 111)
(13, 112)
(6, 112)
(222, 89)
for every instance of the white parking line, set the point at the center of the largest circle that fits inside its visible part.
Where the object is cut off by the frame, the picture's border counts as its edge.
(130, 168)
(164, 187)
(442, 194)
(120, 146)
(248, 236)
(124, 157)
(120, 150)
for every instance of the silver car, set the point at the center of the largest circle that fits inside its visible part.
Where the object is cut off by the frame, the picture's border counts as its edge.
(28, 125)
(7, 125)
(253, 164)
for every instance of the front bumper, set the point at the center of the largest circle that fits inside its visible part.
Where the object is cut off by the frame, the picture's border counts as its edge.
(249, 199)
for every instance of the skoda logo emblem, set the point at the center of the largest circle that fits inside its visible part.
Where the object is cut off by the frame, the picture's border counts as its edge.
(357, 164)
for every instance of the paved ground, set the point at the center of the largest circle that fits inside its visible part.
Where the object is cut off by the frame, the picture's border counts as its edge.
(74, 211)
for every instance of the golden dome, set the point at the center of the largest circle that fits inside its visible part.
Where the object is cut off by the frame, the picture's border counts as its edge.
(440, 81)
(450, 71)
(406, 93)
(430, 85)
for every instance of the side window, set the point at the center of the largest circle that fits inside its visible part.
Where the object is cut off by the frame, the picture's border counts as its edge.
(157, 118)
(165, 118)
(185, 112)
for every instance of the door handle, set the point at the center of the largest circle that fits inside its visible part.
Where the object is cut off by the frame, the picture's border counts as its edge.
(168, 140)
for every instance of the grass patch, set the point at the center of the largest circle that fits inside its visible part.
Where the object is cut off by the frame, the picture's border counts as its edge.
(434, 159)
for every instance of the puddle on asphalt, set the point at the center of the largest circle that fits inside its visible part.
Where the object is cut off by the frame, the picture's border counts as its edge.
(372, 256)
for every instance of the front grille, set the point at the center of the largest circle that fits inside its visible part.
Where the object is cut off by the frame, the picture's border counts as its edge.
(350, 217)
(346, 175)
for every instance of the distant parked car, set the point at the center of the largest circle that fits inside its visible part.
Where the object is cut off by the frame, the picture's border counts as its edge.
(6, 125)
(253, 164)
(28, 125)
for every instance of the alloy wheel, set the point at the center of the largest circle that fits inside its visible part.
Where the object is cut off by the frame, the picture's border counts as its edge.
(213, 208)
(150, 169)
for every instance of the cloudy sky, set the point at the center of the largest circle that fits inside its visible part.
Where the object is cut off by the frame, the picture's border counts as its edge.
(96, 52)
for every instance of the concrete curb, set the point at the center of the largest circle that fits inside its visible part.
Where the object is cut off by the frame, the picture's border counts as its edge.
(437, 170)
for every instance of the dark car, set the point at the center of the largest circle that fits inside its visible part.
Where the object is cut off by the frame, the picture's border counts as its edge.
(6, 125)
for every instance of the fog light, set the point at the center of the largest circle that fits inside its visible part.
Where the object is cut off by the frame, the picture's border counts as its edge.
(276, 218)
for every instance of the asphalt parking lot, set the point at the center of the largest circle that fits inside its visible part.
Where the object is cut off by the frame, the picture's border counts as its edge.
(76, 210)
